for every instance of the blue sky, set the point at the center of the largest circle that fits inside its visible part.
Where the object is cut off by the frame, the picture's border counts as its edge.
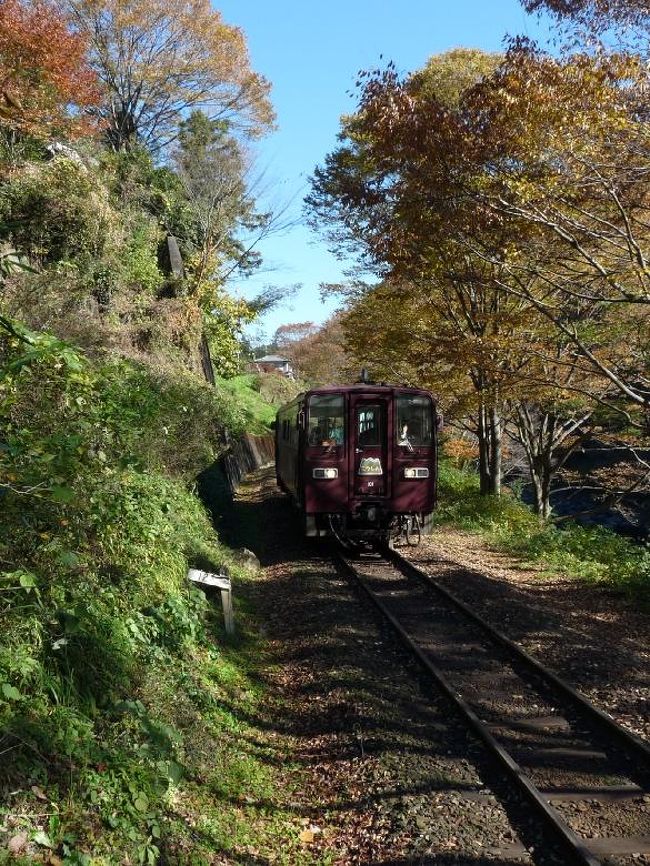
(311, 53)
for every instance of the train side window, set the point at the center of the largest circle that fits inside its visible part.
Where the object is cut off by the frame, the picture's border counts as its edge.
(414, 427)
(326, 424)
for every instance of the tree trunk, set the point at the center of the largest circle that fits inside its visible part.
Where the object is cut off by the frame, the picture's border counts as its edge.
(536, 436)
(496, 451)
(483, 452)
(489, 450)
(541, 479)
(545, 501)
(206, 360)
(545, 439)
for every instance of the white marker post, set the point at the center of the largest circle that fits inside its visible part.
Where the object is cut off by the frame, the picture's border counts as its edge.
(224, 584)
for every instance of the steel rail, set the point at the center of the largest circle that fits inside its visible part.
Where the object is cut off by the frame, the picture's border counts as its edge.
(570, 841)
(628, 739)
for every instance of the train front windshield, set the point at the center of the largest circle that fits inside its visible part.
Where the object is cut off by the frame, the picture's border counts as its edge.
(326, 420)
(414, 416)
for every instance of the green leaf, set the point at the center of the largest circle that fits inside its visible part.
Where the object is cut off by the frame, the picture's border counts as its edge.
(27, 580)
(175, 772)
(41, 838)
(70, 621)
(62, 494)
(72, 360)
(10, 692)
(68, 558)
(141, 803)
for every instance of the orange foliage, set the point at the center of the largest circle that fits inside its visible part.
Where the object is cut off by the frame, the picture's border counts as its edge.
(318, 353)
(45, 82)
(461, 451)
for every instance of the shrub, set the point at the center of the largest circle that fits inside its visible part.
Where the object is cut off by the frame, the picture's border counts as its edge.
(57, 211)
(141, 258)
(461, 452)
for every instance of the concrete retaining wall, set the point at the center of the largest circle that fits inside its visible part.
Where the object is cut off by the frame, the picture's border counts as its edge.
(246, 455)
(217, 484)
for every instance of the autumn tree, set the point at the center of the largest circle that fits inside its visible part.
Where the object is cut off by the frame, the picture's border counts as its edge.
(158, 59)
(46, 84)
(573, 174)
(396, 334)
(224, 226)
(219, 231)
(317, 352)
(396, 193)
(448, 76)
(595, 16)
(287, 335)
(512, 220)
(550, 418)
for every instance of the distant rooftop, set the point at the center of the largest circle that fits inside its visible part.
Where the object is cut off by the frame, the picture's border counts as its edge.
(272, 359)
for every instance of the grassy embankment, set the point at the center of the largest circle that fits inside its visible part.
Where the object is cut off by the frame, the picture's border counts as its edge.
(259, 396)
(593, 554)
(127, 719)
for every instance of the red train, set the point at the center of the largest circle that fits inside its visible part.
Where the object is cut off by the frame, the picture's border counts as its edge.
(360, 460)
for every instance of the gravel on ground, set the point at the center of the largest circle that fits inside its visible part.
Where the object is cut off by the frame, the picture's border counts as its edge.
(376, 765)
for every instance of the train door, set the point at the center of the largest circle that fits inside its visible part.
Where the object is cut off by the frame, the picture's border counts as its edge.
(370, 420)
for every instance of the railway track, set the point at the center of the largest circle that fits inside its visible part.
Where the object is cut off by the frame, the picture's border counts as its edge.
(585, 777)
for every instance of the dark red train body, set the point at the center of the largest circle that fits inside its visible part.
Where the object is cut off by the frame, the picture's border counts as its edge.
(359, 459)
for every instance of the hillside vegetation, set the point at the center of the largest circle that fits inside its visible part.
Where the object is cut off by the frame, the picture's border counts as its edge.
(118, 234)
(500, 201)
(112, 667)
(115, 674)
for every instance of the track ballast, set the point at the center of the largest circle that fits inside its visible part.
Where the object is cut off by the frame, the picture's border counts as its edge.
(583, 775)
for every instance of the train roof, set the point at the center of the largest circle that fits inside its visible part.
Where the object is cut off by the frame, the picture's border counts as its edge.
(364, 386)
(356, 388)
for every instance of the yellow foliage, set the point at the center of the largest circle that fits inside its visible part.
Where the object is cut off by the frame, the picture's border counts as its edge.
(159, 58)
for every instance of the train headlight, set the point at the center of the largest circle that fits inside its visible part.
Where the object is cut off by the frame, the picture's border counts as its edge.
(416, 472)
(322, 472)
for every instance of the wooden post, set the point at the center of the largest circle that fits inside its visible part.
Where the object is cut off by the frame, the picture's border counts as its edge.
(228, 612)
(223, 583)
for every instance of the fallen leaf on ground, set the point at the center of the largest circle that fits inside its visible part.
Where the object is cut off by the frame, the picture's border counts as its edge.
(17, 843)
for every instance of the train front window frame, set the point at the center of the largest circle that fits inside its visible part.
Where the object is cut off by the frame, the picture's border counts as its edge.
(326, 420)
(414, 421)
(369, 425)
